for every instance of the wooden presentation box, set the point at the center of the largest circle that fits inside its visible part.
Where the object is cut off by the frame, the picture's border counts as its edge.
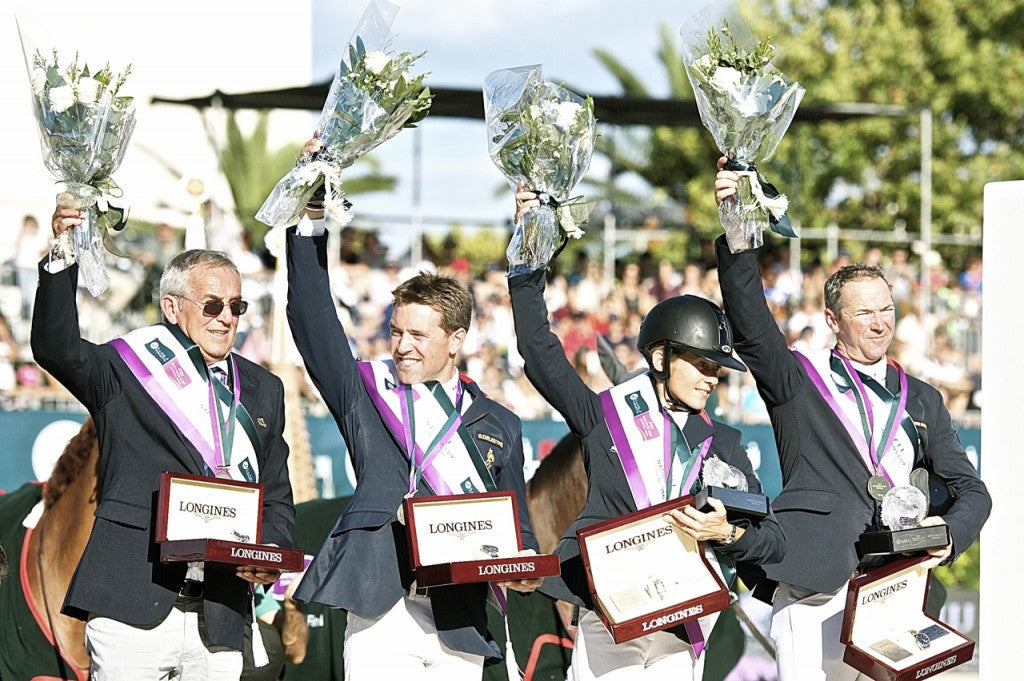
(887, 634)
(466, 538)
(646, 576)
(218, 521)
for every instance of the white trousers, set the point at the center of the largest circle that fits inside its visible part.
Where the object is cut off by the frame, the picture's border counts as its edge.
(805, 627)
(403, 644)
(173, 649)
(653, 657)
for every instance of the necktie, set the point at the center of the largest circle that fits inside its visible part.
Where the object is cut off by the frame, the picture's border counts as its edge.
(220, 375)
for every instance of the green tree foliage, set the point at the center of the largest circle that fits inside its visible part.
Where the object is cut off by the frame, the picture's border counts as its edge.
(481, 247)
(965, 572)
(252, 169)
(960, 58)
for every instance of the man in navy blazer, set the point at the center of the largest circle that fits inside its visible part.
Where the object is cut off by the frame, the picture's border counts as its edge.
(827, 465)
(395, 627)
(148, 618)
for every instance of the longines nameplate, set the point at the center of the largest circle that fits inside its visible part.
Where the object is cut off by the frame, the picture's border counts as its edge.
(469, 538)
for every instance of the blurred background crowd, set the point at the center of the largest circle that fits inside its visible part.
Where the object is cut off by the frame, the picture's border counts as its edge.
(940, 344)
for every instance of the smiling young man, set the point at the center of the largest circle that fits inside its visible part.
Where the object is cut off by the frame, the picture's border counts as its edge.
(158, 405)
(848, 424)
(386, 411)
(686, 341)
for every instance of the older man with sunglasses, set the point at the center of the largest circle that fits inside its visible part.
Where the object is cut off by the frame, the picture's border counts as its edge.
(167, 397)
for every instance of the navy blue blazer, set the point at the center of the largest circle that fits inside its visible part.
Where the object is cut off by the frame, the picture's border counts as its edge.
(824, 504)
(120, 575)
(608, 493)
(363, 566)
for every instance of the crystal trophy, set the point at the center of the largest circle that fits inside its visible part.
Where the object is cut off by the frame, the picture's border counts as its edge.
(900, 512)
(728, 484)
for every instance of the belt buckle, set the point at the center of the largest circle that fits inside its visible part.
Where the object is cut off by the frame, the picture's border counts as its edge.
(191, 588)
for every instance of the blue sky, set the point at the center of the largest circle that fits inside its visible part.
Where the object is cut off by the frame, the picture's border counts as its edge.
(464, 40)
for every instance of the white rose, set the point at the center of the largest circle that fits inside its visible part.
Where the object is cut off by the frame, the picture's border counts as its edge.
(61, 98)
(704, 62)
(376, 61)
(38, 82)
(566, 114)
(748, 106)
(89, 90)
(726, 78)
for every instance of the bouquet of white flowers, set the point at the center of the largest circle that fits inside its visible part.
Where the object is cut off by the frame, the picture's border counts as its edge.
(747, 105)
(542, 134)
(371, 99)
(84, 128)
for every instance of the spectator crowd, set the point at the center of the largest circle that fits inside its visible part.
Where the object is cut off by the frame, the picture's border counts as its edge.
(941, 344)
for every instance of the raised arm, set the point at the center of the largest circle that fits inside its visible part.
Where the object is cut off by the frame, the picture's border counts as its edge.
(758, 339)
(546, 365)
(57, 345)
(318, 333)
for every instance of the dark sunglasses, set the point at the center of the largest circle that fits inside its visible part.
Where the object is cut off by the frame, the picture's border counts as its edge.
(213, 308)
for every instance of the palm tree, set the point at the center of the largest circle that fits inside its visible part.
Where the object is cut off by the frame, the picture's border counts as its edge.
(252, 169)
(666, 158)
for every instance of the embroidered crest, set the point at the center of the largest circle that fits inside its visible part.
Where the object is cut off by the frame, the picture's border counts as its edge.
(490, 438)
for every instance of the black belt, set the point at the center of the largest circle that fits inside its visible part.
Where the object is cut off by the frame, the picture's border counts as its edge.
(191, 589)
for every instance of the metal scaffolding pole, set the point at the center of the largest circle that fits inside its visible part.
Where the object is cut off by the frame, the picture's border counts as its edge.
(416, 216)
(926, 208)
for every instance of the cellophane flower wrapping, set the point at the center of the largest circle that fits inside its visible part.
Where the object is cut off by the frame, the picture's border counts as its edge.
(542, 134)
(85, 125)
(747, 105)
(373, 96)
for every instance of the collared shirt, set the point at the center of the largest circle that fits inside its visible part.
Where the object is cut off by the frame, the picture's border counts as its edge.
(680, 418)
(309, 227)
(449, 387)
(875, 371)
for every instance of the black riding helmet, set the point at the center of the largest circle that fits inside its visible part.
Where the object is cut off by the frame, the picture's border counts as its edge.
(688, 323)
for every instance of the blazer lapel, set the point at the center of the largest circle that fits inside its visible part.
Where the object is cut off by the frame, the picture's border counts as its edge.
(479, 408)
(696, 430)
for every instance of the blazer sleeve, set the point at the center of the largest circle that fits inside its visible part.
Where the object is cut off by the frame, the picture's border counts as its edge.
(756, 335)
(763, 541)
(278, 506)
(511, 478)
(945, 457)
(545, 362)
(318, 333)
(58, 346)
